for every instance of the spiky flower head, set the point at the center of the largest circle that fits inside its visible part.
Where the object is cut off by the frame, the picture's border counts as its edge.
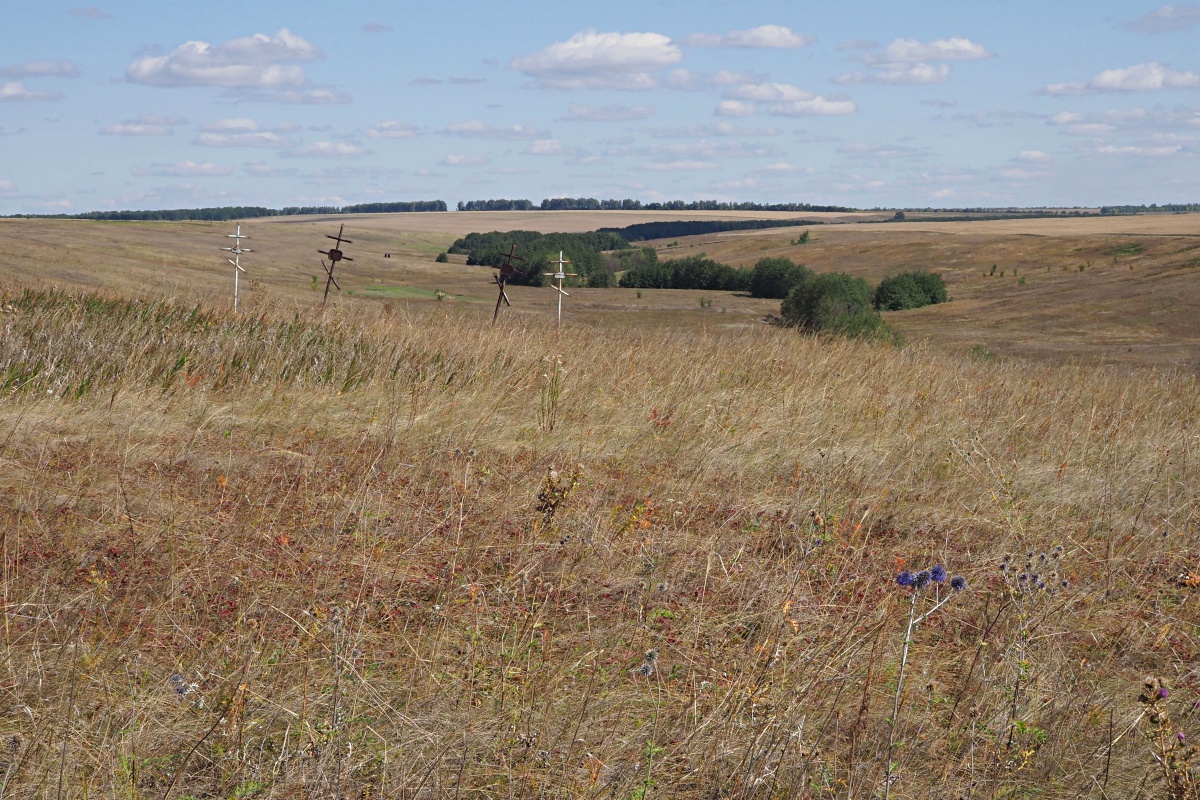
(938, 574)
(921, 579)
(958, 583)
(905, 578)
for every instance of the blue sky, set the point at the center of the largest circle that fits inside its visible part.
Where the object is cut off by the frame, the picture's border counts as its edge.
(866, 103)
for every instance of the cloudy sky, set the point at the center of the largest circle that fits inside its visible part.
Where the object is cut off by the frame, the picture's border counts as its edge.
(131, 104)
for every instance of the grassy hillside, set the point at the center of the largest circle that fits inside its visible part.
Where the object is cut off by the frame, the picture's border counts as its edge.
(385, 551)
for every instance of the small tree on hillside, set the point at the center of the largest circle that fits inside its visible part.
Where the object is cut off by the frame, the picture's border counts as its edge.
(834, 302)
(775, 277)
(909, 290)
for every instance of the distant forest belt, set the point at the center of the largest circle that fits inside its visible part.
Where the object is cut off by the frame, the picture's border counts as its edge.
(664, 230)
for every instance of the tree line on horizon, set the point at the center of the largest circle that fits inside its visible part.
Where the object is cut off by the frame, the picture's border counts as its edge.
(225, 213)
(628, 204)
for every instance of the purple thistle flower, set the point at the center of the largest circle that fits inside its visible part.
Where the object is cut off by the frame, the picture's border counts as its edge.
(1162, 693)
(938, 574)
(958, 583)
(921, 579)
(905, 578)
(1180, 737)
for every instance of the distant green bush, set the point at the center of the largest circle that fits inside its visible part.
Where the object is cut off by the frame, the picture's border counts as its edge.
(834, 302)
(693, 272)
(442, 258)
(775, 277)
(909, 290)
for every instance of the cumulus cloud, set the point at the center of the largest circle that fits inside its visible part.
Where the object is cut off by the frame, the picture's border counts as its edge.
(1138, 78)
(478, 129)
(135, 129)
(183, 169)
(912, 62)
(546, 147)
(329, 150)
(1033, 157)
(1167, 19)
(769, 36)
(261, 169)
(782, 99)
(61, 68)
(911, 51)
(1135, 150)
(735, 108)
(613, 113)
(254, 62)
(268, 139)
(391, 129)
(719, 129)
(683, 165)
(601, 60)
(690, 81)
(460, 160)
(145, 125)
(15, 92)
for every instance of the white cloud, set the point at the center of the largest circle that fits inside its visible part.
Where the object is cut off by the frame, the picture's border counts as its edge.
(136, 129)
(391, 129)
(459, 160)
(184, 169)
(1144, 78)
(782, 100)
(329, 150)
(815, 107)
(1033, 157)
(769, 93)
(15, 92)
(261, 169)
(257, 62)
(911, 51)
(1167, 19)
(601, 60)
(249, 139)
(7, 186)
(145, 125)
(1133, 150)
(683, 165)
(690, 81)
(1066, 118)
(912, 62)
(613, 113)
(231, 124)
(770, 36)
(899, 74)
(545, 147)
(735, 108)
(785, 168)
(478, 129)
(1138, 78)
(722, 128)
(41, 69)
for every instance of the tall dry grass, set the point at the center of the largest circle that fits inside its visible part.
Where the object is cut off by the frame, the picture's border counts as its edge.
(306, 554)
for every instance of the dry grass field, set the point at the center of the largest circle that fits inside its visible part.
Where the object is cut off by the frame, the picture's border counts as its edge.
(386, 549)
(1110, 289)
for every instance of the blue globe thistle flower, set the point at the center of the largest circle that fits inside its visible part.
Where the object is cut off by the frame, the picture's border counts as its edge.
(958, 583)
(938, 574)
(921, 579)
(905, 578)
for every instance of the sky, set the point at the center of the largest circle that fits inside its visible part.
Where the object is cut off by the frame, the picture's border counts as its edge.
(130, 104)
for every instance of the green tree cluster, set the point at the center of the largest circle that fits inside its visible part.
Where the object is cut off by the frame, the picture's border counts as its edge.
(538, 251)
(834, 302)
(775, 277)
(909, 290)
(693, 272)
